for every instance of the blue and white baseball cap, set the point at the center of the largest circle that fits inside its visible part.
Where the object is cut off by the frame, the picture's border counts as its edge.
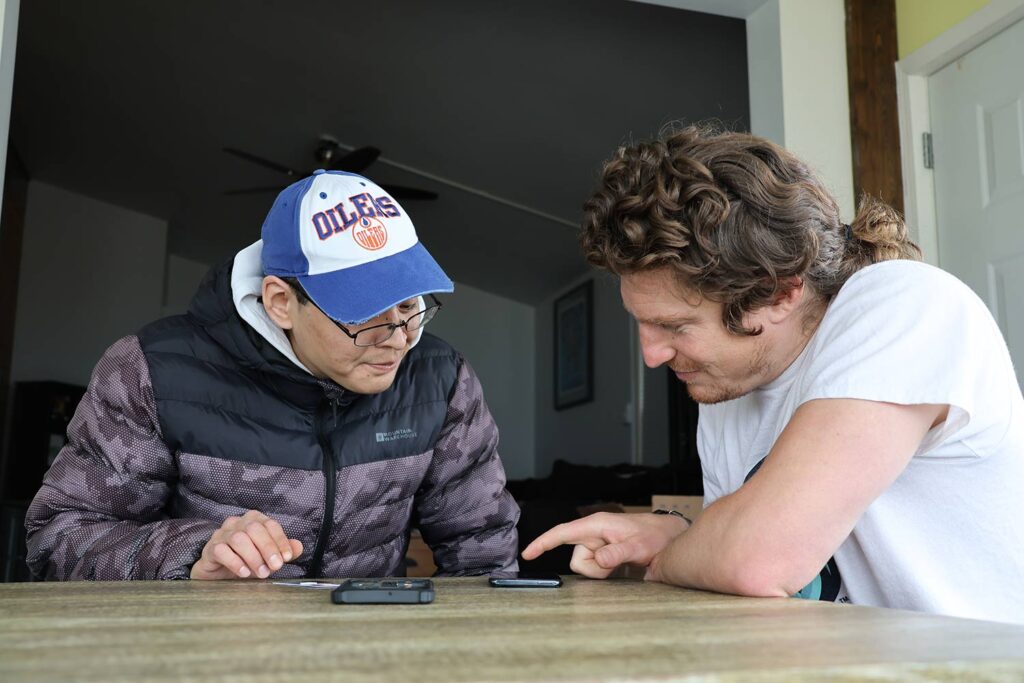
(350, 245)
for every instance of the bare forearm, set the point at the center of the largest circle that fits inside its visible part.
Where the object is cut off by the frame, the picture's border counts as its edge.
(775, 532)
(718, 553)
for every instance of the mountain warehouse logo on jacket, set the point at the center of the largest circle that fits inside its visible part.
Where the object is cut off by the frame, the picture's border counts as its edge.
(366, 212)
(396, 435)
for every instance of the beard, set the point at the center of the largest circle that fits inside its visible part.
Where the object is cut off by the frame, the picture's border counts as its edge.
(716, 391)
(711, 394)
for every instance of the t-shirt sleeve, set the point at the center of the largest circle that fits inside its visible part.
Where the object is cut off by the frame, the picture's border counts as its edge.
(908, 333)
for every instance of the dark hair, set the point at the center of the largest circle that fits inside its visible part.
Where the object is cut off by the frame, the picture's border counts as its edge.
(734, 215)
(300, 293)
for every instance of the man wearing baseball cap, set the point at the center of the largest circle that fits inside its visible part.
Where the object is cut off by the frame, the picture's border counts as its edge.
(297, 421)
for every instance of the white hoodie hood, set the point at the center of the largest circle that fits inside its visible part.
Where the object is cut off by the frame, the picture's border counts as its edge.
(246, 290)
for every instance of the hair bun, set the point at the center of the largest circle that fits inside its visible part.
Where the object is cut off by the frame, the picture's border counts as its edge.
(879, 231)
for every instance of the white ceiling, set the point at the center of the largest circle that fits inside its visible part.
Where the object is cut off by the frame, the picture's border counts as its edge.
(131, 102)
(740, 9)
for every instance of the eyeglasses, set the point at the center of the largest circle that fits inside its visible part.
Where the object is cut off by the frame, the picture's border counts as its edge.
(378, 334)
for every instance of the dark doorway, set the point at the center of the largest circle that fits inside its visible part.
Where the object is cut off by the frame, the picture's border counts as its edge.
(682, 439)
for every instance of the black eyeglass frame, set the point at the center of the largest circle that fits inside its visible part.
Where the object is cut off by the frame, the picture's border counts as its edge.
(394, 326)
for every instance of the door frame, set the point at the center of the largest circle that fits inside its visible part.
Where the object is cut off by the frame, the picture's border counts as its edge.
(912, 73)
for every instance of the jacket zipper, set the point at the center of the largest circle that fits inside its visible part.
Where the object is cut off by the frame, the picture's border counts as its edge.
(316, 564)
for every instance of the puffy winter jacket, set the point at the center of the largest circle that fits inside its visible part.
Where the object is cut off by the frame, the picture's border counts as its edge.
(197, 418)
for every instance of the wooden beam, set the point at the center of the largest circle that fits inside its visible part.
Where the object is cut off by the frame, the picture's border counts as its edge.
(871, 53)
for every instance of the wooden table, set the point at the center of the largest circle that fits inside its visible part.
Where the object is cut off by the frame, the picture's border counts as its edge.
(585, 631)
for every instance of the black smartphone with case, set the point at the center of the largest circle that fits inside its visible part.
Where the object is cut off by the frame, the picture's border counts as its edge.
(384, 592)
(525, 580)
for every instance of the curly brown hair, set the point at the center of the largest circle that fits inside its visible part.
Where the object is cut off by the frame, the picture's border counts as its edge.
(737, 217)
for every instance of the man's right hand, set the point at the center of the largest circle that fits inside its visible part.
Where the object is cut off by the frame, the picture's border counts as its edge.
(606, 540)
(251, 546)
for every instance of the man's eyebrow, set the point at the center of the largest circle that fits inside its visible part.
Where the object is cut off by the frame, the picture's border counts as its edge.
(680, 320)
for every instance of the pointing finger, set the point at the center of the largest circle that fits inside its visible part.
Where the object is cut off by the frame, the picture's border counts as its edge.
(570, 533)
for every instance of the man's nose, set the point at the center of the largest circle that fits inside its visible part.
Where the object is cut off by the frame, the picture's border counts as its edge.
(399, 339)
(655, 348)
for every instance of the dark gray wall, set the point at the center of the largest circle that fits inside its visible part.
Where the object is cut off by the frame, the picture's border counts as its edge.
(131, 102)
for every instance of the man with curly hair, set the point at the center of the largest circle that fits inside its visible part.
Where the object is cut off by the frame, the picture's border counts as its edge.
(859, 409)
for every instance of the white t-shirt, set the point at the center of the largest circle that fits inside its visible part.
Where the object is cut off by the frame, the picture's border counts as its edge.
(948, 535)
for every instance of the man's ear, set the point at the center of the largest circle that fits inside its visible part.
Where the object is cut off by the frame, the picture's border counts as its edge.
(788, 301)
(279, 301)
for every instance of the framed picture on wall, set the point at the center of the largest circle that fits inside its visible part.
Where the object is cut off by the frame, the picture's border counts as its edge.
(574, 347)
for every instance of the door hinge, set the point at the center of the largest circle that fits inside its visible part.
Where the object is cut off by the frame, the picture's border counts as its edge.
(928, 152)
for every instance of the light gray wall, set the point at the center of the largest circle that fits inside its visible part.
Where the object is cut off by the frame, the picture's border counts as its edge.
(9, 10)
(90, 273)
(764, 72)
(496, 335)
(796, 67)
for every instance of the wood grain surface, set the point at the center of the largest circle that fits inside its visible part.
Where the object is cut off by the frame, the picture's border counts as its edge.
(585, 631)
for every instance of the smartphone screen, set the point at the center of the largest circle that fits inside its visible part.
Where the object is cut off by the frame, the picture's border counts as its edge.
(525, 580)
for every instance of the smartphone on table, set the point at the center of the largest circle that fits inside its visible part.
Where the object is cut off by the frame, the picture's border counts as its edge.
(525, 580)
(384, 592)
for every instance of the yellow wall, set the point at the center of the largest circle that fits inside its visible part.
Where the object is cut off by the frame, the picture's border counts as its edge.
(919, 21)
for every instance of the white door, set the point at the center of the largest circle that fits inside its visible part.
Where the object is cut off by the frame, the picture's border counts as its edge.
(977, 119)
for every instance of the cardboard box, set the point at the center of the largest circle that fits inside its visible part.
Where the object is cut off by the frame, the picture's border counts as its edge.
(691, 506)
(421, 556)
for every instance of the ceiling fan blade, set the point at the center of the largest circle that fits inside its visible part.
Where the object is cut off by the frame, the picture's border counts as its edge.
(403, 192)
(396, 191)
(281, 168)
(356, 160)
(254, 190)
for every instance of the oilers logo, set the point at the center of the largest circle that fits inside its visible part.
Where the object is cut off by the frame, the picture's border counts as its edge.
(370, 233)
(367, 210)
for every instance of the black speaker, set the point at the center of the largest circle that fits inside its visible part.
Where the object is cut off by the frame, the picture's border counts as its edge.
(41, 413)
(12, 547)
(682, 439)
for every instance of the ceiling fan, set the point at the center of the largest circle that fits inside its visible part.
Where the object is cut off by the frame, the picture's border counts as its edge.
(329, 155)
